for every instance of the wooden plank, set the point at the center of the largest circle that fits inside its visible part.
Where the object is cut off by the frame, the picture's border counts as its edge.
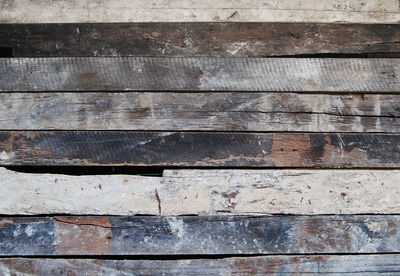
(68, 11)
(199, 149)
(199, 74)
(204, 192)
(199, 235)
(201, 111)
(273, 265)
(197, 39)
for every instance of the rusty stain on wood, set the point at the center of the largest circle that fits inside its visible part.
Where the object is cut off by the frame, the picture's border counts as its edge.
(77, 235)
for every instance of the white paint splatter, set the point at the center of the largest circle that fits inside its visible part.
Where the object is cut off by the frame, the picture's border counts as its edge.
(188, 41)
(374, 226)
(176, 226)
(29, 230)
(6, 156)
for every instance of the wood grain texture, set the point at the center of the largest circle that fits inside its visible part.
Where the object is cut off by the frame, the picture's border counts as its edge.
(272, 265)
(198, 39)
(198, 149)
(47, 11)
(199, 74)
(198, 235)
(201, 111)
(203, 192)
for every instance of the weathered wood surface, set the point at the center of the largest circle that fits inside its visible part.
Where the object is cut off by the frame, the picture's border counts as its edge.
(387, 264)
(198, 235)
(204, 192)
(201, 111)
(199, 74)
(197, 39)
(47, 11)
(199, 149)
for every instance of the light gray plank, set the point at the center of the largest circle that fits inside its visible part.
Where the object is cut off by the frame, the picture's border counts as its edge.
(68, 11)
(200, 74)
(204, 192)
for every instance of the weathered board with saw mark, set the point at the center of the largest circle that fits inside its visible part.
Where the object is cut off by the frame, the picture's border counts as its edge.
(200, 74)
(201, 111)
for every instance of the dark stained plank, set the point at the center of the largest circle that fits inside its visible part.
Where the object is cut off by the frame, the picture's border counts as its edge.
(198, 149)
(273, 265)
(201, 111)
(197, 39)
(199, 235)
(200, 74)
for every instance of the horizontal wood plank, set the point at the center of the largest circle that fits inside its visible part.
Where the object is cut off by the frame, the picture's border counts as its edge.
(201, 111)
(198, 235)
(200, 74)
(272, 265)
(203, 192)
(67, 11)
(197, 39)
(199, 149)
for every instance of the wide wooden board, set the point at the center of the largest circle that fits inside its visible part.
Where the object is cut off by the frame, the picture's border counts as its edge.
(199, 149)
(200, 74)
(197, 39)
(67, 11)
(198, 235)
(203, 192)
(201, 111)
(271, 265)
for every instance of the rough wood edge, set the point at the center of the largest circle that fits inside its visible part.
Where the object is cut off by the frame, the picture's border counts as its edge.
(273, 265)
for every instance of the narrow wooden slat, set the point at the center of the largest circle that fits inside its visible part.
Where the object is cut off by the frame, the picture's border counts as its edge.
(273, 265)
(200, 111)
(47, 11)
(237, 235)
(199, 74)
(197, 39)
(198, 149)
(204, 192)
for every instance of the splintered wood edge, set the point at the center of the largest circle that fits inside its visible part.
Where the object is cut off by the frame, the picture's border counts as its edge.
(204, 192)
(273, 265)
(199, 235)
(186, 11)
